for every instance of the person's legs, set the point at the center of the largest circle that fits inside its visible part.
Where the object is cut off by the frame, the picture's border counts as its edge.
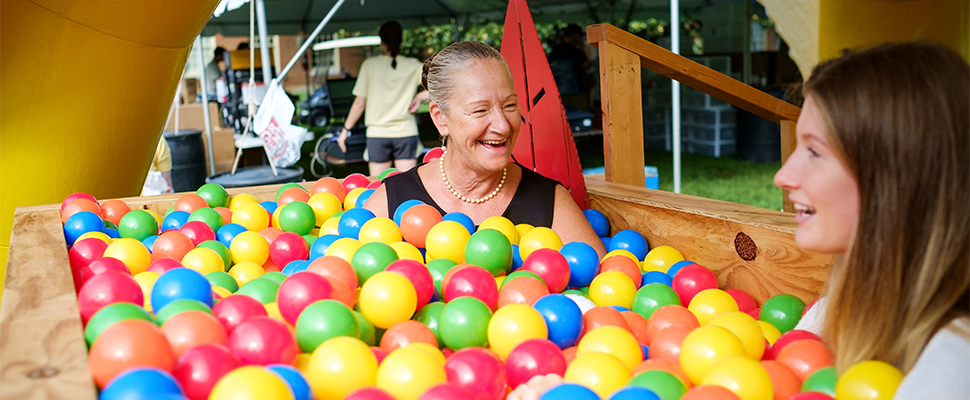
(406, 152)
(377, 167)
(379, 154)
(404, 165)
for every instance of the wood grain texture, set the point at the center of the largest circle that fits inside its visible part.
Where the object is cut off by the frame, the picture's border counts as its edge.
(695, 75)
(622, 115)
(704, 230)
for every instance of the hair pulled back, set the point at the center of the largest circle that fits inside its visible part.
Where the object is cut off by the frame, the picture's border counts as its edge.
(438, 73)
(392, 36)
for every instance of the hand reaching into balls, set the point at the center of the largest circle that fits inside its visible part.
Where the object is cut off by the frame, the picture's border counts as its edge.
(535, 387)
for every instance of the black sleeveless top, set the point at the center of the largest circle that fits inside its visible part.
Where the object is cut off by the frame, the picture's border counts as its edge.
(533, 202)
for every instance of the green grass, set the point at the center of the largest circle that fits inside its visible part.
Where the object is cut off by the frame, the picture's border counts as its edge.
(726, 178)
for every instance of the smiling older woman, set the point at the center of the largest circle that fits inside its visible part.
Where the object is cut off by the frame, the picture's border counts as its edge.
(476, 110)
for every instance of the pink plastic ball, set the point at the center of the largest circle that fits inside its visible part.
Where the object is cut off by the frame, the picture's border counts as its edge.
(108, 288)
(99, 266)
(745, 301)
(354, 181)
(199, 368)
(419, 275)
(691, 280)
(300, 290)
(474, 282)
(236, 309)
(197, 232)
(478, 370)
(551, 266)
(263, 341)
(534, 357)
(163, 265)
(85, 251)
(287, 247)
(446, 391)
(788, 338)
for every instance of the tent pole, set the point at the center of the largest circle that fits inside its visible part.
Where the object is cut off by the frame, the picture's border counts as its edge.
(263, 41)
(675, 90)
(205, 107)
(309, 40)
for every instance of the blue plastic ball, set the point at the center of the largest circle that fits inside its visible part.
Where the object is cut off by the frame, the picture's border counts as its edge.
(583, 263)
(174, 220)
(563, 318)
(363, 197)
(646, 351)
(227, 232)
(634, 393)
(516, 258)
(401, 209)
(631, 241)
(656, 277)
(570, 391)
(178, 284)
(149, 242)
(619, 308)
(351, 221)
(112, 233)
(319, 247)
(295, 266)
(461, 219)
(81, 223)
(677, 266)
(598, 221)
(139, 383)
(606, 241)
(269, 206)
(292, 376)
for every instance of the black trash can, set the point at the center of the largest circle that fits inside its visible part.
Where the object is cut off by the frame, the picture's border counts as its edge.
(188, 159)
(256, 176)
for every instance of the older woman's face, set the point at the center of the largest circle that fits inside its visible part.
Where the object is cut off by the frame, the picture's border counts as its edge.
(482, 120)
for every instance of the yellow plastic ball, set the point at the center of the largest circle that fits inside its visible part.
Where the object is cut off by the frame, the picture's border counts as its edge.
(203, 260)
(709, 303)
(612, 288)
(251, 216)
(868, 380)
(251, 383)
(769, 331)
(324, 205)
(276, 216)
(131, 252)
(241, 199)
(351, 199)
(380, 229)
(344, 248)
(447, 239)
(249, 246)
(746, 328)
(388, 298)
(539, 238)
(660, 258)
(514, 324)
(246, 271)
(612, 340)
(743, 376)
(329, 227)
(146, 280)
(522, 229)
(428, 348)
(503, 225)
(704, 347)
(158, 218)
(302, 363)
(621, 252)
(340, 366)
(406, 373)
(601, 372)
(273, 311)
(95, 234)
(221, 290)
(499, 280)
(407, 251)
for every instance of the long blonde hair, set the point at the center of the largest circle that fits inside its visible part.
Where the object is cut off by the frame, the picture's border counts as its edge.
(900, 115)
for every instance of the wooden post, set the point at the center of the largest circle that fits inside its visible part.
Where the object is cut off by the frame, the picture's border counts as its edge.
(622, 116)
(788, 142)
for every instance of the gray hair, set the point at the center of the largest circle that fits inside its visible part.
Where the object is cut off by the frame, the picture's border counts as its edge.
(438, 72)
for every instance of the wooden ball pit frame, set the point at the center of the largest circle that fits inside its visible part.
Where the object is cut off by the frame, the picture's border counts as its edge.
(42, 348)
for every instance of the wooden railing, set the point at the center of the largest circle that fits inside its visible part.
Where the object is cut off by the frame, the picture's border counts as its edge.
(621, 55)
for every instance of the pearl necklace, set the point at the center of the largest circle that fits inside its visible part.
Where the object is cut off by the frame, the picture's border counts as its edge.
(441, 167)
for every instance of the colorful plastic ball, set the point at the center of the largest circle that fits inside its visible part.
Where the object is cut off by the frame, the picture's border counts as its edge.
(406, 332)
(298, 217)
(387, 298)
(783, 381)
(294, 379)
(419, 276)
(249, 246)
(666, 344)
(601, 372)
(344, 248)
(299, 291)
(783, 311)
(177, 307)
(876, 380)
(351, 222)
(263, 290)
(743, 376)
(203, 260)
(746, 329)
(570, 391)
(512, 325)
(340, 366)
(612, 340)
(236, 309)
(286, 187)
(672, 367)
(661, 258)
(191, 329)
(81, 223)
(214, 194)
(744, 300)
(209, 216)
(369, 393)
(355, 180)
(139, 383)
(447, 239)
(363, 197)
(598, 220)
(656, 277)
(631, 241)
(638, 326)
(329, 185)
(551, 266)
(447, 391)
(128, 344)
(634, 393)
(403, 208)
(98, 266)
(350, 201)
(319, 247)
(653, 296)
(438, 269)
(322, 321)
(341, 292)
(471, 281)
(199, 368)
(583, 263)
(372, 258)
(804, 357)
(662, 383)
(539, 238)
(107, 288)
(489, 249)
(521, 290)
(77, 195)
(172, 243)
(174, 220)
(190, 202)
(478, 370)
(430, 315)
(252, 216)
(710, 392)
(706, 346)
(602, 316)
(811, 396)
(251, 382)
(245, 271)
(503, 225)
(823, 380)
(262, 341)
(178, 284)
(380, 229)
(417, 221)
(291, 194)
(288, 247)
(788, 338)
(563, 317)
(197, 232)
(133, 253)
(711, 302)
(337, 268)
(222, 279)
(80, 205)
(84, 252)
(111, 314)
(408, 372)
(770, 333)
(691, 280)
(612, 288)
(464, 323)
(463, 219)
(324, 206)
(407, 250)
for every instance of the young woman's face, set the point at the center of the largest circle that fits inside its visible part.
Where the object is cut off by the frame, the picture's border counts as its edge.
(483, 119)
(824, 192)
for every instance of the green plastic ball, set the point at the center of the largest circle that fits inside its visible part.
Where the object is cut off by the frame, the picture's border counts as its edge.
(324, 320)
(297, 216)
(664, 384)
(519, 273)
(438, 269)
(367, 331)
(138, 225)
(783, 311)
(489, 249)
(274, 276)
(210, 216)
(464, 323)
(429, 316)
(385, 173)
(651, 297)
(220, 249)
(372, 258)
(822, 381)
(214, 194)
(263, 290)
(223, 280)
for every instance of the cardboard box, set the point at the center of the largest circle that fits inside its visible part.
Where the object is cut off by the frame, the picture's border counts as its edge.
(190, 117)
(223, 149)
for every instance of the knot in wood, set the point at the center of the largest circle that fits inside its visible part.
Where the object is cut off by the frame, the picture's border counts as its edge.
(43, 372)
(745, 247)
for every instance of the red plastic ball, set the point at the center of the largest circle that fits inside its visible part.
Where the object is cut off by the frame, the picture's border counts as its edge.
(199, 368)
(97, 267)
(446, 391)
(691, 280)
(419, 275)
(263, 341)
(288, 246)
(236, 309)
(82, 254)
(478, 370)
(474, 282)
(108, 288)
(113, 210)
(745, 301)
(551, 266)
(163, 265)
(299, 291)
(375, 184)
(534, 357)
(197, 232)
(811, 396)
(433, 154)
(788, 338)
(380, 353)
(354, 181)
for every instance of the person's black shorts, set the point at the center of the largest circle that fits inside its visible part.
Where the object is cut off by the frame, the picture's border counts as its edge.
(386, 149)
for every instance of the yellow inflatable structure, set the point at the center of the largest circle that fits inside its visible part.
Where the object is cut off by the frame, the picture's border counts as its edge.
(85, 89)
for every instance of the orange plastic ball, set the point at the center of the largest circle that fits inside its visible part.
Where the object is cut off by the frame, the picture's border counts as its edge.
(190, 202)
(193, 328)
(329, 185)
(417, 222)
(804, 357)
(113, 210)
(128, 344)
(638, 325)
(79, 205)
(783, 380)
(668, 316)
(602, 316)
(292, 194)
(406, 332)
(625, 265)
(335, 267)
